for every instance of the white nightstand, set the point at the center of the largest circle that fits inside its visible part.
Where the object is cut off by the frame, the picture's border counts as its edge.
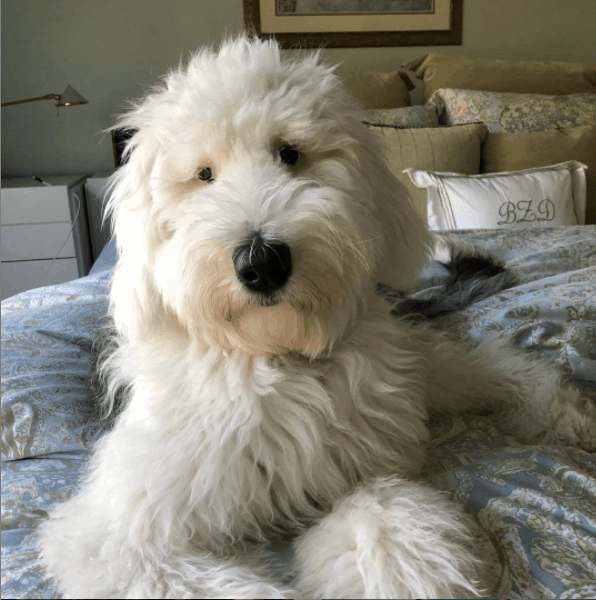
(35, 222)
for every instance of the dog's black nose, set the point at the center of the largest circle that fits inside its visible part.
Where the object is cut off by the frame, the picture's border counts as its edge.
(263, 266)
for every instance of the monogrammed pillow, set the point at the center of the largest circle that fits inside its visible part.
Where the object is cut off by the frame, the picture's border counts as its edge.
(541, 197)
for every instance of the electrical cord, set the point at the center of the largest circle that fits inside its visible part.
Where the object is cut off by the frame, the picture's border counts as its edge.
(69, 232)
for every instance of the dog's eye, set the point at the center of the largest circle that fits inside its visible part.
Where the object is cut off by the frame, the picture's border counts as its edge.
(289, 156)
(206, 174)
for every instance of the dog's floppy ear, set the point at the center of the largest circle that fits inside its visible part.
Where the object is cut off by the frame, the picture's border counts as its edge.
(405, 241)
(134, 301)
(406, 238)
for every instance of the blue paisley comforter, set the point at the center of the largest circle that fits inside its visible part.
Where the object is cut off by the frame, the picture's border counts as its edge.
(534, 506)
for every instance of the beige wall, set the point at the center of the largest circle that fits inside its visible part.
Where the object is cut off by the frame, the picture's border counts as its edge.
(111, 50)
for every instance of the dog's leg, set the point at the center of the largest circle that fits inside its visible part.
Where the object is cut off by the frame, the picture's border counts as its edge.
(205, 576)
(390, 539)
(535, 404)
(92, 558)
(116, 540)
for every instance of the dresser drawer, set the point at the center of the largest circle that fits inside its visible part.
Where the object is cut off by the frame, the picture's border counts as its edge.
(37, 215)
(34, 205)
(28, 242)
(17, 277)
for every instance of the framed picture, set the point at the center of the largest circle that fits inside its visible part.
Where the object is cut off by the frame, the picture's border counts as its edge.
(353, 23)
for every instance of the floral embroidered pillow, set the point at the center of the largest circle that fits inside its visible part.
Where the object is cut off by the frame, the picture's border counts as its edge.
(512, 112)
(541, 197)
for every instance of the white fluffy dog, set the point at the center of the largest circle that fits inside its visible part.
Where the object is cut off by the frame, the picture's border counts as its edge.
(270, 395)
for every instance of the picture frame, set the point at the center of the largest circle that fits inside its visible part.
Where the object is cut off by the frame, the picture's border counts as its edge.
(356, 23)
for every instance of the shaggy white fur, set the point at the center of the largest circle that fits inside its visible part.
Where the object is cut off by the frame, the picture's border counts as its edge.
(270, 393)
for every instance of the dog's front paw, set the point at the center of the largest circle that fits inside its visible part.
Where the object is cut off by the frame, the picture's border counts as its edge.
(392, 539)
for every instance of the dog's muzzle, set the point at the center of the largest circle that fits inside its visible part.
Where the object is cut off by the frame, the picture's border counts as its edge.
(263, 266)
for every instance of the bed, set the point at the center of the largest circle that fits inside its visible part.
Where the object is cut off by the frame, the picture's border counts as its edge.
(534, 506)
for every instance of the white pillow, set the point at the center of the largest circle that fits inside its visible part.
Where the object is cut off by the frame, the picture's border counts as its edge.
(541, 197)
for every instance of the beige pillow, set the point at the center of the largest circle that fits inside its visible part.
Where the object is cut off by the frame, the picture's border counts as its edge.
(516, 151)
(453, 149)
(552, 78)
(377, 90)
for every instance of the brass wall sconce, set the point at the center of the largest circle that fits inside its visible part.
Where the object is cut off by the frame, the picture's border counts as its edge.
(69, 97)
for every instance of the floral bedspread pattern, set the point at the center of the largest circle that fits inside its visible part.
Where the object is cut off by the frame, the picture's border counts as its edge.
(534, 507)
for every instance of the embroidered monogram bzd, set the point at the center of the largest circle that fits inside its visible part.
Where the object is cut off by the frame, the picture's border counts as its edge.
(512, 212)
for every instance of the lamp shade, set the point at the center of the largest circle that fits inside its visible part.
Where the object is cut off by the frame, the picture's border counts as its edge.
(70, 97)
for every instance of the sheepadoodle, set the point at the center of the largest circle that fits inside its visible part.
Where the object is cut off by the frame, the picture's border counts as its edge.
(270, 394)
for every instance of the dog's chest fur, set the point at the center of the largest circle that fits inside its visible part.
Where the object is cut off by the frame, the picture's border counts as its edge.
(265, 445)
